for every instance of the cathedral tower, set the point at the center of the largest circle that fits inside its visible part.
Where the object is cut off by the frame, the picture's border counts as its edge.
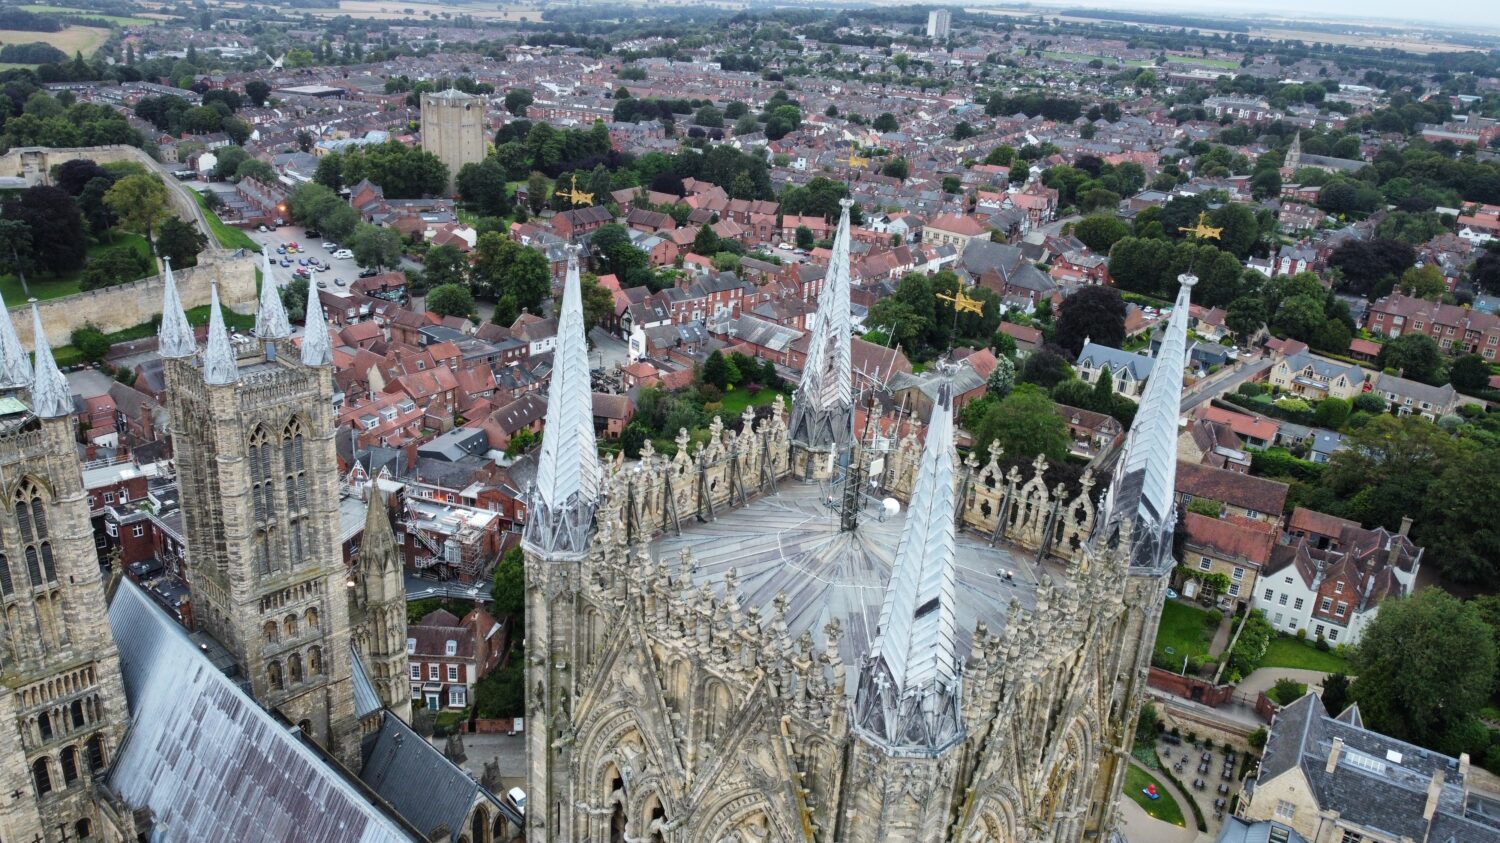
(453, 129)
(559, 525)
(61, 692)
(253, 429)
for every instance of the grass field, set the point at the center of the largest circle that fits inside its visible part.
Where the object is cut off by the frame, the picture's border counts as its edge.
(737, 400)
(1289, 652)
(67, 285)
(1225, 64)
(119, 20)
(1165, 809)
(1185, 629)
(67, 355)
(228, 236)
(1085, 57)
(73, 39)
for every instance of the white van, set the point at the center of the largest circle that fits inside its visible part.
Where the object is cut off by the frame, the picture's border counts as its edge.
(517, 797)
(343, 254)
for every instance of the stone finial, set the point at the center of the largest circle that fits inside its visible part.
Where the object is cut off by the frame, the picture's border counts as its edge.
(175, 335)
(51, 397)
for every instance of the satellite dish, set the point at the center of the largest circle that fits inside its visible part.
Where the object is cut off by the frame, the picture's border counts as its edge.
(892, 506)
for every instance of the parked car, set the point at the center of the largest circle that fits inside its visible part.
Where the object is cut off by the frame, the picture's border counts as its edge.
(286, 261)
(263, 229)
(338, 282)
(322, 267)
(280, 250)
(368, 273)
(517, 798)
(322, 285)
(302, 261)
(343, 255)
(330, 246)
(313, 234)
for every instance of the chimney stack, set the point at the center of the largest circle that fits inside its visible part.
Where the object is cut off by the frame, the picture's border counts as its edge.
(1434, 792)
(1405, 525)
(1333, 755)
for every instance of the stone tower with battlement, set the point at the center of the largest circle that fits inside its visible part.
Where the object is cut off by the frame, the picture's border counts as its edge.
(62, 702)
(745, 642)
(453, 128)
(253, 428)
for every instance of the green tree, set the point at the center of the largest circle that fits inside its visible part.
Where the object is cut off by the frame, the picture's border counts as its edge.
(705, 242)
(1002, 378)
(450, 300)
(1335, 694)
(805, 239)
(508, 587)
(1026, 423)
(445, 265)
(1456, 524)
(181, 241)
(113, 266)
(90, 342)
(1100, 232)
(140, 201)
(374, 246)
(1424, 282)
(1300, 317)
(516, 276)
(885, 122)
(482, 187)
(517, 100)
(15, 250)
(720, 370)
(897, 168)
(1415, 356)
(257, 92)
(521, 442)
(1045, 368)
(1425, 665)
(228, 160)
(294, 299)
(1096, 313)
(598, 302)
(1331, 413)
(1245, 317)
(536, 192)
(1468, 372)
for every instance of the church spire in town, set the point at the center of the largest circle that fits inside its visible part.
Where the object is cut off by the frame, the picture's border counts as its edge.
(1141, 492)
(175, 334)
(823, 411)
(908, 695)
(270, 318)
(317, 345)
(15, 366)
(561, 505)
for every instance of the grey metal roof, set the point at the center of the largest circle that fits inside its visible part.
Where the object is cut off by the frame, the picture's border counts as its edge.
(1237, 830)
(208, 761)
(366, 701)
(424, 787)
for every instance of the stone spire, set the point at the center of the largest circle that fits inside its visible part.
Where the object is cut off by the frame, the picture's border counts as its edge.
(51, 398)
(379, 540)
(219, 365)
(270, 318)
(317, 346)
(1141, 492)
(175, 334)
(15, 366)
(823, 412)
(908, 695)
(561, 505)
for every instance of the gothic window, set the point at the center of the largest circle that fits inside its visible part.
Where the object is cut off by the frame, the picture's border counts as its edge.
(76, 711)
(262, 552)
(273, 632)
(294, 668)
(48, 567)
(310, 618)
(94, 749)
(33, 566)
(69, 765)
(7, 586)
(296, 541)
(44, 725)
(23, 516)
(290, 625)
(274, 672)
(38, 515)
(41, 774)
(315, 661)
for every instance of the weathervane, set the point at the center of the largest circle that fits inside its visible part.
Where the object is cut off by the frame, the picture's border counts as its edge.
(1203, 229)
(576, 196)
(963, 304)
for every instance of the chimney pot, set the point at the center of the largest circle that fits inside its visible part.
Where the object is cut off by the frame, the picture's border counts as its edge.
(1333, 755)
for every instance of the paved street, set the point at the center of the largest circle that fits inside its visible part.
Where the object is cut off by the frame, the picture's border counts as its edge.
(1222, 383)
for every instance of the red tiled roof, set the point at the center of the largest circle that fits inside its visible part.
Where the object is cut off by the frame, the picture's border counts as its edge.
(1234, 536)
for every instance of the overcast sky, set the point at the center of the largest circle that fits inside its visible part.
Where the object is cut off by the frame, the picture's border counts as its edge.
(1485, 13)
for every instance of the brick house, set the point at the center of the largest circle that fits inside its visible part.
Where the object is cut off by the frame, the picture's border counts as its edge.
(1234, 546)
(447, 656)
(1240, 494)
(1457, 330)
(580, 221)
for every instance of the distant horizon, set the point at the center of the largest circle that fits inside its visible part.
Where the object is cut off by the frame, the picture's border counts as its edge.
(1375, 11)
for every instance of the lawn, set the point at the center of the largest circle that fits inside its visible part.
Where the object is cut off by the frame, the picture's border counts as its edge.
(1165, 809)
(67, 355)
(1289, 652)
(66, 285)
(119, 20)
(1226, 64)
(72, 39)
(1187, 630)
(228, 236)
(735, 401)
(1086, 57)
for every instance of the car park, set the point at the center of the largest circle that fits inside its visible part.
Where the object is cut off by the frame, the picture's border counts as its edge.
(322, 267)
(322, 285)
(330, 246)
(343, 255)
(338, 282)
(313, 234)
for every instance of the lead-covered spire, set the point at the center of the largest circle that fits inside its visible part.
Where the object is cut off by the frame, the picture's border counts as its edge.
(823, 411)
(270, 318)
(51, 397)
(317, 345)
(175, 334)
(220, 367)
(1140, 500)
(562, 500)
(15, 366)
(908, 695)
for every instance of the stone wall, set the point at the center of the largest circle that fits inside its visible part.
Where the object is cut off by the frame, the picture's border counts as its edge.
(124, 306)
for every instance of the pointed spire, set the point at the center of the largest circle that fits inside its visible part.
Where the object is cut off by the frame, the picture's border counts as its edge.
(908, 695)
(219, 365)
(822, 414)
(317, 346)
(270, 318)
(51, 397)
(561, 505)
(1145, 476)
(175, 334)
(15, 366)
(378, 538)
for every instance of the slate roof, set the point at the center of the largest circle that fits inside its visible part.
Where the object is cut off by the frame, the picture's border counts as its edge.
(1096, 356)
(1377, 782)
(209, 762)
(425, 788)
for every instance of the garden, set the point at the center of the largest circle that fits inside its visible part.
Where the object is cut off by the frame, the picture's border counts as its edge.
(1185, 631)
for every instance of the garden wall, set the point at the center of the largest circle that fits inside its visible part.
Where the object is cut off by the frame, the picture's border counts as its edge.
(35, 163)
(1190, 687)
(122, 306)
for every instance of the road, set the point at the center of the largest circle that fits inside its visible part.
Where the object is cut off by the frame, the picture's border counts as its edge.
(1212, 386)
